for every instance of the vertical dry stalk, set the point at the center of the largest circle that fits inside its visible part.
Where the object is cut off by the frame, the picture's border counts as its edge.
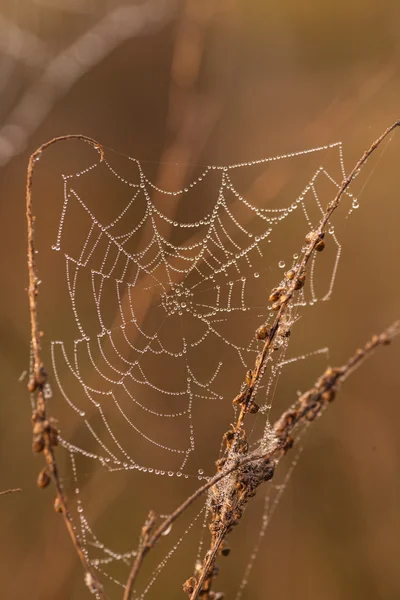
(45, 435)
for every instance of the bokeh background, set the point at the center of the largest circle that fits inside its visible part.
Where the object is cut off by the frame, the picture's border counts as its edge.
(178, 84)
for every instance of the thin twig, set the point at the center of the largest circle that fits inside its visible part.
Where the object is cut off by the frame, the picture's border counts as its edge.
(3, 493)
(45, 435)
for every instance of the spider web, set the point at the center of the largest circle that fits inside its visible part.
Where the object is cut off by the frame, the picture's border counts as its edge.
(165, 290)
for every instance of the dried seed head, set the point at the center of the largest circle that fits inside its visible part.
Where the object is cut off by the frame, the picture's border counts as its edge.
(249, 376)
(310, 236)
(43, 479)
(53, 436)
(328, 395)
(220, 463)
(32, 385)
(39, 427)
(240, 398)
(189, 585)
(290, 274)
(58, 505)
(225, 551)
(262, 332)
(38, 443)
(299, 283)
(253, 408)
(229, 437)
(276, 294)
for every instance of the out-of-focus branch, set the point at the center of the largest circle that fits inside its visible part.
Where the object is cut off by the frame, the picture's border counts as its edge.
(121, 24)
(11, 491)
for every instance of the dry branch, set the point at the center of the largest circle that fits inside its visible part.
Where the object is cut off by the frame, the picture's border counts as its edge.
(45, 435)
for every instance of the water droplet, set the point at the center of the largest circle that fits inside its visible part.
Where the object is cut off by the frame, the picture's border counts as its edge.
(281, 264)
(256, 275)
(200, 471)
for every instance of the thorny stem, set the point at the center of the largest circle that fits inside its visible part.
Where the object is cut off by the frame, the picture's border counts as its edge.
(45, 435)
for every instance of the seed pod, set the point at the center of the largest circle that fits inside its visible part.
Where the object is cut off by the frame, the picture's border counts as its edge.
(39, 427)
(275, 294)
(38, 443)
(262, 332)
(32, 385)
(240, 398)
(328, 395)
(53, 436)
(253, 408)
(249, 376)
(220, 464)
(225, 551)
(43, 479)
(300, 281)
(319, 246)
(188, 586)
(58, 505)
(290, 274)
(310, 236)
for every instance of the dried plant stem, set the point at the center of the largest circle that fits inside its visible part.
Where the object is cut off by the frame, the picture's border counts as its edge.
(235, 439)
(251, 385)
(4, 492)
(45, 435)
(309, 406)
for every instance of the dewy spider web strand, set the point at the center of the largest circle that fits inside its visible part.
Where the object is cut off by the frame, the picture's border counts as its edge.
(170, 302)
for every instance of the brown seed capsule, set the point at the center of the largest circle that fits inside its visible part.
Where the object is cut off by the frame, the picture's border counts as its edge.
(58, 505)
(43, 479)
(188, 586)
(310, 236)
(53, 436)
(328, 395)
(228, 436)
(220, 463)
(253, 408)
(290, 274)
(299, 283)
(319, 246)
(38, 443)
(249, 376)
(225, 551)
(32, 385)
(275, 294)
(262, 332)
(240, 398)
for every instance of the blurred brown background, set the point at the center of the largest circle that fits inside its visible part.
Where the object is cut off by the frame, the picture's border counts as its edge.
(177, 84)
